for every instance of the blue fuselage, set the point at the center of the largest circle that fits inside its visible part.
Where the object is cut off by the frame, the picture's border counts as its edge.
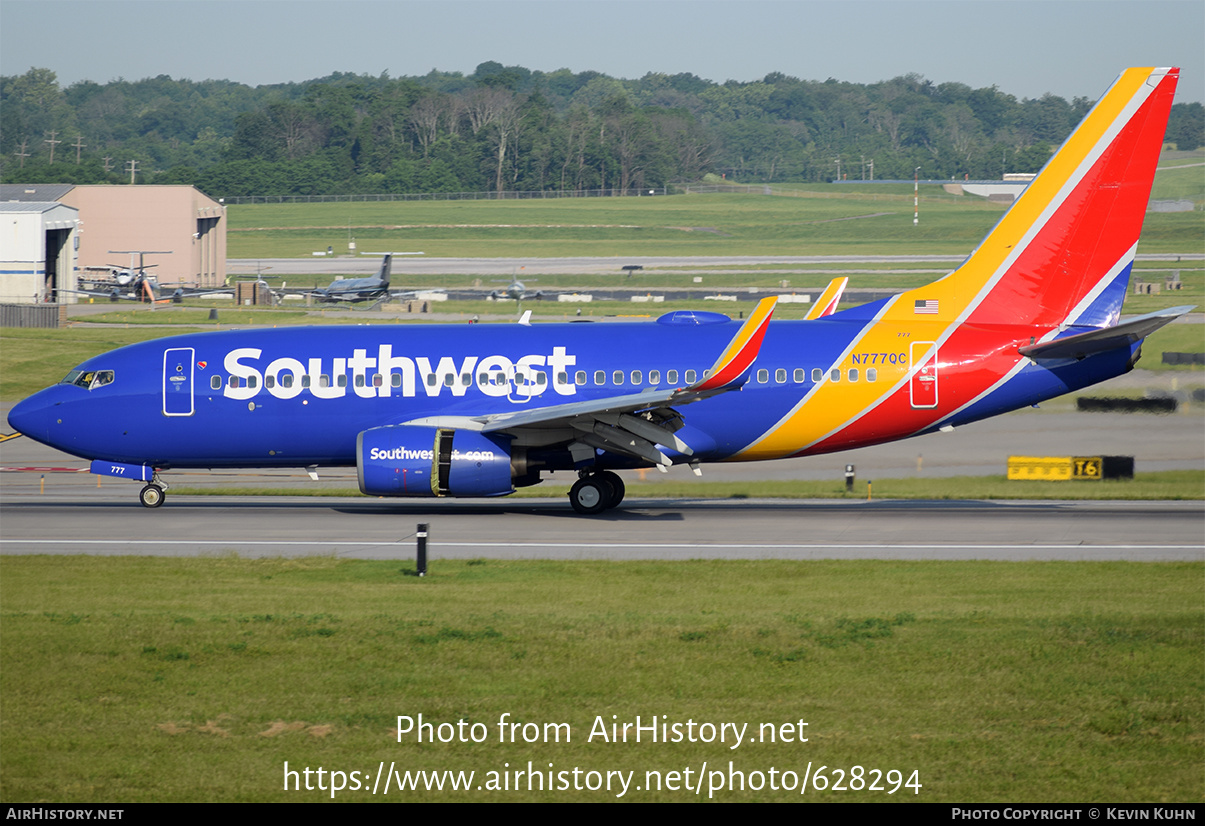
(299, 396)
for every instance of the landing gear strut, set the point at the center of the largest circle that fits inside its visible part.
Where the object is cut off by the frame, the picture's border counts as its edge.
(596, 492)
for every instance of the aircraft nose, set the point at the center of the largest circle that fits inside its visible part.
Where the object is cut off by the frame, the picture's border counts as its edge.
(31, 417)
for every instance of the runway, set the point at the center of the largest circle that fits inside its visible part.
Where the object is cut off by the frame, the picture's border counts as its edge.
(639, 529)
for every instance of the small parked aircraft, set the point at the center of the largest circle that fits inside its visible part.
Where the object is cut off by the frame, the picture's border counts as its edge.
(372, 288)
(135, 283)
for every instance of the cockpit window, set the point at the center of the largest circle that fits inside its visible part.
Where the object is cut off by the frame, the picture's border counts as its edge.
(89, 379)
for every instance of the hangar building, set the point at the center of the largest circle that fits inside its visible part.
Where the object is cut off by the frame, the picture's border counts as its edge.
(186, 226)
(37, 250)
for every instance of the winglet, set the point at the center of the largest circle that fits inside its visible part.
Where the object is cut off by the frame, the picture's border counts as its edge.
(731, 367)
(826, 304)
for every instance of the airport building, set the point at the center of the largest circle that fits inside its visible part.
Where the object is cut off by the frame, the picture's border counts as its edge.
(181, 230)
(37, 250)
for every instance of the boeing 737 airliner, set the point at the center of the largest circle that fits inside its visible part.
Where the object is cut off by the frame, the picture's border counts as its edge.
(478, 410)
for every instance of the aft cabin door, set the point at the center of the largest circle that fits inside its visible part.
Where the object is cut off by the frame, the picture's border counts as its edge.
(923, 368)
(178, 381)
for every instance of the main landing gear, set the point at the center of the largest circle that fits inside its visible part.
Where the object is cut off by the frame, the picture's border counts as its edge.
(595, 492)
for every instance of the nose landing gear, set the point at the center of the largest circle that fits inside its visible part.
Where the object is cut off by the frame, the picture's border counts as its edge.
(151, 496)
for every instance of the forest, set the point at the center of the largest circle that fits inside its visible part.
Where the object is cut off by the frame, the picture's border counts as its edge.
(511, 129)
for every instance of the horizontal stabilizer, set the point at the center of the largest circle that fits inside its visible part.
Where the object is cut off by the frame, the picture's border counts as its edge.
(1081, 345)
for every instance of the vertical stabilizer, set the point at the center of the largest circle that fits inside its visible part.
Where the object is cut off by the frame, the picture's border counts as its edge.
(386, 270)
(1063, 252)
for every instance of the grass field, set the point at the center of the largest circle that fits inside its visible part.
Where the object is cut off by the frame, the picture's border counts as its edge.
(151, 679)
(827, 223)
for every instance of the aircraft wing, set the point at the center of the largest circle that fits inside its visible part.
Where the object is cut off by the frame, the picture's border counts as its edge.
(632, 424)
(416, 293)
(196, 292)
(121, 293)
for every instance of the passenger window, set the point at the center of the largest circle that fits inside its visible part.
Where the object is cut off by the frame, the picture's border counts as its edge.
(600, 378)
(377, 380)
(324, 380)
(853, 374)
(305, 380)
(671, 377)
(286, 380)
(637, 378)
(780, 375)
(232, 382)
(449, 380)
(763, 376)
(395, 379)
(359, 379)
(541, 379)
(835, 374)
(215, 383)
(690, 376)
(562, 378)
(579, 378)
(817, 374)
(269, 382)
(430, 379)
(872, 374)
(617, 378)
(799, 375)
(466, 379)
(253, 381)
(341, 380)
(707, 372)
(654, 377)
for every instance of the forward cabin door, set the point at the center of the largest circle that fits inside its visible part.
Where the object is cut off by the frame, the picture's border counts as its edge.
(922, 361)
(178, 378)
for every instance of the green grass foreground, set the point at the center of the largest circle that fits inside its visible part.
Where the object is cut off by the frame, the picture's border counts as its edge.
(154, 679)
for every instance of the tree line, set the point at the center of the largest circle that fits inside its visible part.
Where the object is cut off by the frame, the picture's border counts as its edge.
(506, 128)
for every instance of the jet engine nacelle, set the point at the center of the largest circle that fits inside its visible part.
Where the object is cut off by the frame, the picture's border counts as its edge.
(413, 460)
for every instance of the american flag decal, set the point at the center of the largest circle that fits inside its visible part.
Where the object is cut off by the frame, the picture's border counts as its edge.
(928, 306)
